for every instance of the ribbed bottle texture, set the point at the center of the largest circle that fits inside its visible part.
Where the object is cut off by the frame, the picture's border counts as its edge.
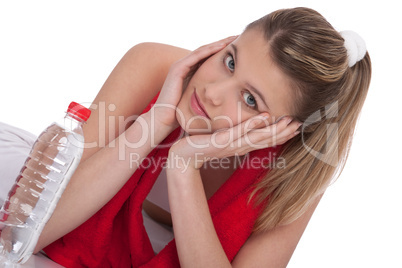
(40, 184)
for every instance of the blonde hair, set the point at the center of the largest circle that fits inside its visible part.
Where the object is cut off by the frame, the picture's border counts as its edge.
(312, 53)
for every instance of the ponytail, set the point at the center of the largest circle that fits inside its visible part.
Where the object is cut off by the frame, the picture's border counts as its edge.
(331, 93)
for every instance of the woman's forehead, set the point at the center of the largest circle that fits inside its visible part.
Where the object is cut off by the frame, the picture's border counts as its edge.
(255, 66)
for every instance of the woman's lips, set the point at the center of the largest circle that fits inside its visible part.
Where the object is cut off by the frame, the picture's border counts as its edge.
(197, 106)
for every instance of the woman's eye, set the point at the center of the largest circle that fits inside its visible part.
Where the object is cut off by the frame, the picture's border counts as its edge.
(229, 61)
(249, 99)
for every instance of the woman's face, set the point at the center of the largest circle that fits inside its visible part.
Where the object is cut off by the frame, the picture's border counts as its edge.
(239, 82)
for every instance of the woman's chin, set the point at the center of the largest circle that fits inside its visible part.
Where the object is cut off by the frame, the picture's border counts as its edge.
(195, 125)
(196, 130)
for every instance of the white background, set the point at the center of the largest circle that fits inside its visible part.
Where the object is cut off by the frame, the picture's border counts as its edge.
(53, 52)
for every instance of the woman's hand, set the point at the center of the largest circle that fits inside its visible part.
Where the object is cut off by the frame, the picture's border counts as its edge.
(252, 134)
(164, 110)
(196, 237)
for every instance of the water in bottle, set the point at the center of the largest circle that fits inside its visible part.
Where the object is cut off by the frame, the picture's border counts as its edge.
(40, 183)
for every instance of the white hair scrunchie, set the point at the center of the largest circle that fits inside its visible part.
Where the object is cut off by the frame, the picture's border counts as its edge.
(355, 46)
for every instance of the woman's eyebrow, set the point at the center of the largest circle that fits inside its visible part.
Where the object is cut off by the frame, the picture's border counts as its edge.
(234, 47)
(256, 91)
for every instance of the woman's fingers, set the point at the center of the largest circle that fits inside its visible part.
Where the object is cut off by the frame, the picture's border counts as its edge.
(225, 137)
(289, 132)
(183, 66)
(252, 134)
(180, 69)
(255, 133)
(286, 129)
(207, 50)
(172, 89)
(275, 134)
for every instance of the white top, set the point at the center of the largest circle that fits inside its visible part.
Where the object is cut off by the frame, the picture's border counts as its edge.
(159, 234)
(159, 194)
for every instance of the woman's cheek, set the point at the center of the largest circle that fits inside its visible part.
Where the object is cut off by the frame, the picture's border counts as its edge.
(224, 122)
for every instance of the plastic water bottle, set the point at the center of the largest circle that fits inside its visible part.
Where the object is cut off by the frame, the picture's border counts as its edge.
(40, 183)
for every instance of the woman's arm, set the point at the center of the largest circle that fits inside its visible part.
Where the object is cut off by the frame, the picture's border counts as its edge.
(198, 244)
(274, 248)
(101, 173)
(196, 239)
(136, 79)
(100, 177)
(105, 170)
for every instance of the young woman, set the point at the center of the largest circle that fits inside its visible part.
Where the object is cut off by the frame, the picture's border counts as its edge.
(268, 117)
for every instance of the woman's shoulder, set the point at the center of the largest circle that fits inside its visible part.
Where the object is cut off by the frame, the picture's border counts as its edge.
(157, 53)
(151, 63)
(158, 46)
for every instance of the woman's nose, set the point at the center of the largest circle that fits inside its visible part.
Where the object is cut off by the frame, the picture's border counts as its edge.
(216, 93)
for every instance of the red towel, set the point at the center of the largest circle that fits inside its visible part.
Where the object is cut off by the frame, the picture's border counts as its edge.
(115, 236)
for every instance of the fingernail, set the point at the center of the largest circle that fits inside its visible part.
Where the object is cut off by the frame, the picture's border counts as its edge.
(287, 120)
(265, 117)
(296, 132)
(260, 119)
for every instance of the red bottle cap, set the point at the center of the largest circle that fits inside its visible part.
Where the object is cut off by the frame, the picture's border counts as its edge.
(77, 110)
